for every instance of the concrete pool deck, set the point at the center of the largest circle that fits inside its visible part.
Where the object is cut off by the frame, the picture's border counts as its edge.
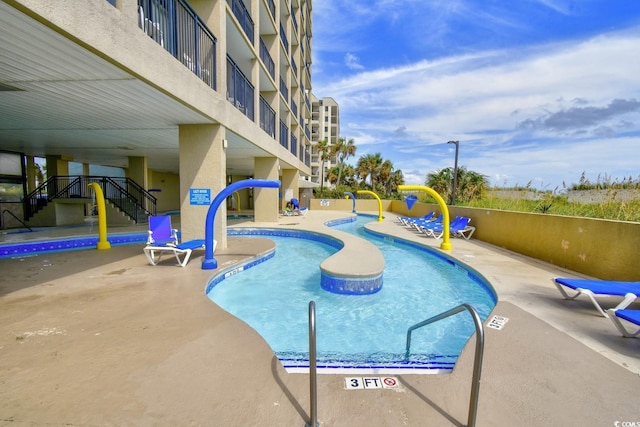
(101, 338)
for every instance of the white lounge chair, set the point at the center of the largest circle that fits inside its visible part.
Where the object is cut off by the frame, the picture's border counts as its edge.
(632, 316)
(629, 290)
(154, 253)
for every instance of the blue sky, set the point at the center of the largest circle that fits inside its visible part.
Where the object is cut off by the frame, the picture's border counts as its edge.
(536, 91)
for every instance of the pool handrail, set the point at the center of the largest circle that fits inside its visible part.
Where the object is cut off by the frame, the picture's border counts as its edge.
(477, 364)
(313, 374)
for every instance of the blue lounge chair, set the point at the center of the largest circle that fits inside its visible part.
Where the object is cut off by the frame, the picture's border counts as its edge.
(163, 238)
(160, 231)
(459, 227)
(629, 290)
(154, 253)
(632, 316)
(409, 220)
(423, 225)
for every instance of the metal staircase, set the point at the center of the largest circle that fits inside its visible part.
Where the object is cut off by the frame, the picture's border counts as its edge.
(123, 193)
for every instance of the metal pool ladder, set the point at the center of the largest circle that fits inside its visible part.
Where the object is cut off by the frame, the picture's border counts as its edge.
(477, 364)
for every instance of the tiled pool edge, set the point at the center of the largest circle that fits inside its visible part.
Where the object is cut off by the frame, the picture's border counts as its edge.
(22, 249)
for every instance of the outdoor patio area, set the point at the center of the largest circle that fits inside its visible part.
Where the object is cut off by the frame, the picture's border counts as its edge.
(102, 338)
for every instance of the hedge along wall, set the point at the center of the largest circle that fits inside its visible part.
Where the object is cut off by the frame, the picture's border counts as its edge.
(595, 247)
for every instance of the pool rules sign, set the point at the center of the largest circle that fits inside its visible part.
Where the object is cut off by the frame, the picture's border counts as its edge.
(363, 383)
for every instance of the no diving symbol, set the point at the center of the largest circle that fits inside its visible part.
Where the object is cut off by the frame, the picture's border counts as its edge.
(389, 382)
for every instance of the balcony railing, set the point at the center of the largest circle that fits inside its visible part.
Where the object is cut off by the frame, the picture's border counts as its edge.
(272, 8)
(294, 145)
(284, 135)
(294, 108)
(284, 89)
(267, 60)
(293, 19)
(244, 18)
(239, 89)
(267, 118)
(283, 37)
(174, 25)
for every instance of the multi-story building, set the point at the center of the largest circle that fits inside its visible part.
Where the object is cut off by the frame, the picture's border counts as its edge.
(325, 126)
(179, 94)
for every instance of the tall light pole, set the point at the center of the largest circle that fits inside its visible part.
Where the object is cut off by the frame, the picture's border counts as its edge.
(455, 173)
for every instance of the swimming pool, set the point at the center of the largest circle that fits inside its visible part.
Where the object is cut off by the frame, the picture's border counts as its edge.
(363, 333)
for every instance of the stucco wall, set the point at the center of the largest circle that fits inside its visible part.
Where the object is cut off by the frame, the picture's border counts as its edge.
(600, 248)
(168, 196)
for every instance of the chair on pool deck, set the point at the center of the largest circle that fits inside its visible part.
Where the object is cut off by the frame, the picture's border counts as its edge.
(154, 253)
(629, 290)
(163, 238)
(632, 316)
(409, 220)
(423, 225)
(459, 227)
(160, 231)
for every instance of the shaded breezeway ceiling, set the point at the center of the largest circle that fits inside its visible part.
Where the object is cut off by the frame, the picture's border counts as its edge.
(58, 98)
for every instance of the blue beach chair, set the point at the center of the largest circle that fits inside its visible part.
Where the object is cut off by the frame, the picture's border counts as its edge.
(630, 291)
(423, 226)
(154, 253)
(409, 220)
(164, 239)
(631, 316)
(459, 227)
(160, 231)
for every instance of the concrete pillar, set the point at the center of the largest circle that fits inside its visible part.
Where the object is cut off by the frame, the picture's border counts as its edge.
(266, 199)
(203, 165)
(289, 184)
(138, 171)
(57, 166)
(31, 174)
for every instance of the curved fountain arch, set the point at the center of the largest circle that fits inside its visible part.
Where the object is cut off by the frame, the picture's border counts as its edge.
(446, 244)
(371, 193)
(209, 262)
(348, 193)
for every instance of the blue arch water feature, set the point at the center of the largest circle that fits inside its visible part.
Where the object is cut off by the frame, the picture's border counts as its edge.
(209, 262)
(347, 193)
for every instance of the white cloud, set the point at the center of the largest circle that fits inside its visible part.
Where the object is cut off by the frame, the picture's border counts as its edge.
(408, 112)
(352, 62)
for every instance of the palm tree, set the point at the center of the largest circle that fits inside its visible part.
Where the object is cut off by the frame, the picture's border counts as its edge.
(396, 179)
(386, 169)
(471, 185)
(369, 166)
(343, 149)
(349, 176)
(323, 149)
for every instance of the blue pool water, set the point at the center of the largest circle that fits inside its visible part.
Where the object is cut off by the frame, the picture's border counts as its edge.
(364, 332)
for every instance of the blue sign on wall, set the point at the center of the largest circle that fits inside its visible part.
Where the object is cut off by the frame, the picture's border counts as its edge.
(200, 196)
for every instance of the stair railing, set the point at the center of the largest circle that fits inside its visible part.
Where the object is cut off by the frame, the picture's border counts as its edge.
(124, 193)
